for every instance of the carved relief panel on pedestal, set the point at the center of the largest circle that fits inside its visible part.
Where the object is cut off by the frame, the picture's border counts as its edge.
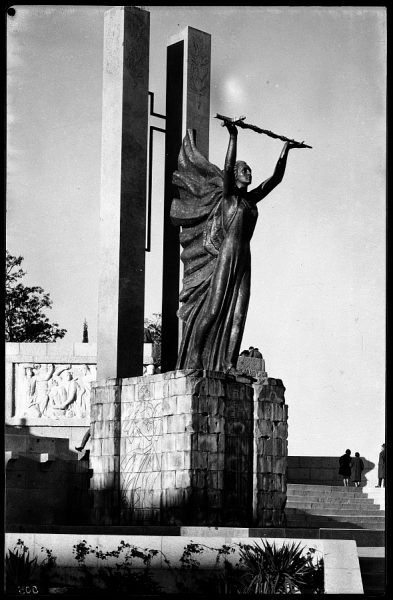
(52, 391)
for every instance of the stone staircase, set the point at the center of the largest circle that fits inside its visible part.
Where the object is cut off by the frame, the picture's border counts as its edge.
(339, 512)
(320, 506)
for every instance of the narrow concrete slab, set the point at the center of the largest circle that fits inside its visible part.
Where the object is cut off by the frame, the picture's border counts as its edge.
(341, 563)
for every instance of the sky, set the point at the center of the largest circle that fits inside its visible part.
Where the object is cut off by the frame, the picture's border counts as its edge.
(318, 74)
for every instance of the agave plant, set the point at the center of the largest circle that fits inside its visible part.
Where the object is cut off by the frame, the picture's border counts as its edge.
(283, 570)
(19, 567)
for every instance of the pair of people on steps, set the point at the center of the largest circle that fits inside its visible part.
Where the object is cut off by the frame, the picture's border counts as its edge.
(347, 463)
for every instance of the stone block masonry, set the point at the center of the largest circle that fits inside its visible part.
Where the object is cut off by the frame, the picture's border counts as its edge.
(174, 448)
(270, 453)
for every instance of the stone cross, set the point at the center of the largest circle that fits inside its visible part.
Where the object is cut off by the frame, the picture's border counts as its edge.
(187, 106)
(123, 193)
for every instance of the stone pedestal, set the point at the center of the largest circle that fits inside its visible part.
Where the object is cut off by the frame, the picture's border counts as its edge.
(270, 453)
(174, 448)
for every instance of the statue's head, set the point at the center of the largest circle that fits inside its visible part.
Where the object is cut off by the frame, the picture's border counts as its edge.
(243, 175)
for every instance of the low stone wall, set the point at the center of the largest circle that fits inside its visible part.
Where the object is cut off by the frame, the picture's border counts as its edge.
(172, 448)
(323, 470)
(341, 564)
(42, 490)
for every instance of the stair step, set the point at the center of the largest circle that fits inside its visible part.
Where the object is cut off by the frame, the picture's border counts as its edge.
(300, 515)
(330, 498)
(323, 488)
(327, 493)
(344, 492)
(372, 551)
(333, 525)
(323, 524)
(365, 539)
(306, 520)
(344, 512)
(326, 504)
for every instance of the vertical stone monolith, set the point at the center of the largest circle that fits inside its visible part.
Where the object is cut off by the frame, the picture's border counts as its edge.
(187, 106)
(123, 193)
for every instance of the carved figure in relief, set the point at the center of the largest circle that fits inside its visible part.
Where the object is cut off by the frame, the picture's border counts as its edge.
(29, 406)
(217, 214)
(42, 374)
(67, 393)
(141, 464)
(84, 382)
(54, 406)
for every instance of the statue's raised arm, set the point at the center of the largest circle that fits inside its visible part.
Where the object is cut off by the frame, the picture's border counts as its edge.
(217, 216)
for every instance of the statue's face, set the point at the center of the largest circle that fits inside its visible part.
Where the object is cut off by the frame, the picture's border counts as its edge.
(243, 175)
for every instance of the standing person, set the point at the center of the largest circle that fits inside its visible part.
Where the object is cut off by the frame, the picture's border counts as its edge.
(357, 468)
(345, 467)
(381, 467)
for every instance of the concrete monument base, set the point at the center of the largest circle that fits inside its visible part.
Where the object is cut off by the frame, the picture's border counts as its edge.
(188, 448)
(173, 448)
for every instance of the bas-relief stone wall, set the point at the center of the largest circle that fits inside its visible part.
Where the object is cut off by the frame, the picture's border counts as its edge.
(183, 445)
(49, 384)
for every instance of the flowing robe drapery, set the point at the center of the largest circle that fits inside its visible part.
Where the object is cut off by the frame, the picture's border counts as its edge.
(215, 237)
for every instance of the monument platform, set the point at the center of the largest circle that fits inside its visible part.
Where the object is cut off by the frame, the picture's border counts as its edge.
(188, 447)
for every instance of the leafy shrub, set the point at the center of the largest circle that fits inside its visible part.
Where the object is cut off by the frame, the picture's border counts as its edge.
(19, 567)
(122, 577)
(283, 570)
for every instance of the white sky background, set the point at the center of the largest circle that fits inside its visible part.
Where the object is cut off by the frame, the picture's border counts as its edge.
(317, 309)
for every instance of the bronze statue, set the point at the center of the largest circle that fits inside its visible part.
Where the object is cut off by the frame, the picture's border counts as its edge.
(217, 215)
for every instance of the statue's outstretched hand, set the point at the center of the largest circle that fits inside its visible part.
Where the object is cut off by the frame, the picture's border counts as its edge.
(232, 129)
(294, 144)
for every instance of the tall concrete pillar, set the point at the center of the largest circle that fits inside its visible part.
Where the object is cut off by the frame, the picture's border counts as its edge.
(123, 193)
(187, 106)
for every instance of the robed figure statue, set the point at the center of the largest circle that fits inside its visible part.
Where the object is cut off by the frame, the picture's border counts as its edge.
(217, 215)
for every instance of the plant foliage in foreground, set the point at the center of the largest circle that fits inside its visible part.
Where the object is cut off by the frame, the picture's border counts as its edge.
(283, 570)
(265, 569)
(19, 567)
